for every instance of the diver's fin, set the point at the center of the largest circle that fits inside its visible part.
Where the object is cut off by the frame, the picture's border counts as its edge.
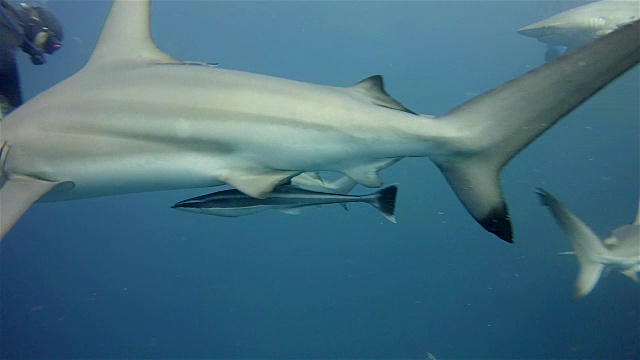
(15, 198)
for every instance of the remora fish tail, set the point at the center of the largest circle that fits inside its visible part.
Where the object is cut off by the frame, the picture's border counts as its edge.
(135, 119)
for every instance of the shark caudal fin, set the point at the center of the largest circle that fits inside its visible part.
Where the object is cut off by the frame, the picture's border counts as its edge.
(587, 246)
(385, 201)
(498, 124)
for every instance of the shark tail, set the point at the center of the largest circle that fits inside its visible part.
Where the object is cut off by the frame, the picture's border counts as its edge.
(496, 126)
(385, 201)
(587, 246)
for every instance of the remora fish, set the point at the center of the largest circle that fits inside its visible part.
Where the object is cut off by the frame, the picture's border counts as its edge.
(135, 119)
(579, 26)
(619, 251)
(234, 203)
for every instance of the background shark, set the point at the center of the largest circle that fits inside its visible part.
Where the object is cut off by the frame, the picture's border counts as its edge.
(577, 27)
(619, 251)
(136, 119)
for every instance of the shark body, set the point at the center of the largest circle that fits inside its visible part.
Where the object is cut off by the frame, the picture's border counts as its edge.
(619, 251)
(135, 119)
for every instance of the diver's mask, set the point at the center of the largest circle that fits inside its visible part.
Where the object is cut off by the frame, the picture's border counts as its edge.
(44, 32)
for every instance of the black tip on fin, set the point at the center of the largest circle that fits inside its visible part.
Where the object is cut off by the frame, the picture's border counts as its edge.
(498, 222)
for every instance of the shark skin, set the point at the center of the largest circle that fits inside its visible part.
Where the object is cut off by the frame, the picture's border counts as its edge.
(579, 26)
(135, 119)
(619, 251)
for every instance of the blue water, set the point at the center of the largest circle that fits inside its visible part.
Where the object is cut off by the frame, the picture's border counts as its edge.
(128, 277)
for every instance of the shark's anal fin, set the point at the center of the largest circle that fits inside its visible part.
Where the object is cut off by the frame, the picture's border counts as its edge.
(15, 198)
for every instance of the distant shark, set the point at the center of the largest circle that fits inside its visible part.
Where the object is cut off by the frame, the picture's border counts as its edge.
(619, 251)
(577, 27)
(135, 119)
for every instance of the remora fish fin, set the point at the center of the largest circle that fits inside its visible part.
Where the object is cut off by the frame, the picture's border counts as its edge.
(585, 243)
(15, 198)
(125, 37)
(373, 90)
(256, 184)
(503, 121)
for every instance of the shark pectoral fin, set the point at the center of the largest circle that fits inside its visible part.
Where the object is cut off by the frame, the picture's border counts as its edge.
(588, 277)
(15, 198)
(632, 272)
(256, 184)
(587, 246)
(476, 184)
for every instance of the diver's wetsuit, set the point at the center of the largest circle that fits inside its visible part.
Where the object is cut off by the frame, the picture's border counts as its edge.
(10, 93)
(36, 32)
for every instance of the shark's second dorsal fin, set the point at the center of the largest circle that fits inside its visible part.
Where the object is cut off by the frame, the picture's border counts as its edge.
(373, 89)
(125, 37)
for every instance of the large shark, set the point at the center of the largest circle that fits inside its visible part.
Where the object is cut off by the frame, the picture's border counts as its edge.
(135, 119)
(619, 251)
(579, 26)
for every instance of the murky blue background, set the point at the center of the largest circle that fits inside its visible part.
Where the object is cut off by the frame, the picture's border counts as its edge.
(128, 277)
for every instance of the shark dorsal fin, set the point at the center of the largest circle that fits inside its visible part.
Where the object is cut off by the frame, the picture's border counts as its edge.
(373, 89)
(637, 220)
(125, 37)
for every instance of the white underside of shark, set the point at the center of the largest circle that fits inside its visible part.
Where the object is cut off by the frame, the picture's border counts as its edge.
(619, 251)
(135, 119)
(579, 26)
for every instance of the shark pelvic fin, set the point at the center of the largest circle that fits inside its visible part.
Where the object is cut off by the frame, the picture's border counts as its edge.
(373, 90)
(632, 272)
(16, 196)
(256, 184)
(367, 174)
(125, 37)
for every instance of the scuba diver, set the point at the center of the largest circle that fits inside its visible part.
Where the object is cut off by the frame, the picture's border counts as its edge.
(33, 29)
